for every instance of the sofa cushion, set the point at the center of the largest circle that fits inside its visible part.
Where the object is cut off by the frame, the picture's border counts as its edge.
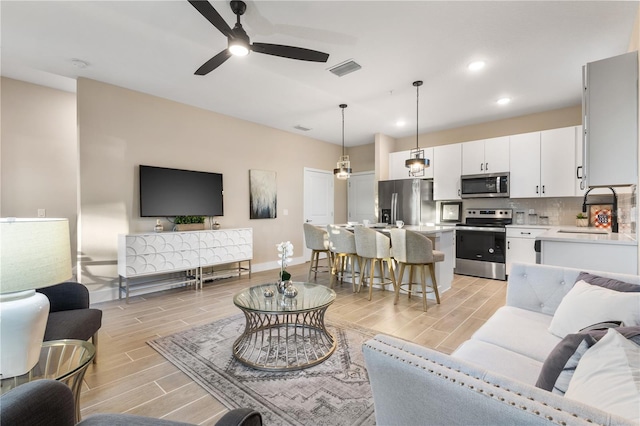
(499, 360)
(610, 283)
(608, 376)
(559, 367)
(519, 330)
(587, 304)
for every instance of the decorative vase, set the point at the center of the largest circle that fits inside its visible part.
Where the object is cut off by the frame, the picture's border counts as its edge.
(582, 222)
(268, 292)
(282, 285)
(290, 291)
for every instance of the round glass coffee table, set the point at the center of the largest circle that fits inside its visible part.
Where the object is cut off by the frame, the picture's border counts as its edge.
(63, 360)
(283, 333)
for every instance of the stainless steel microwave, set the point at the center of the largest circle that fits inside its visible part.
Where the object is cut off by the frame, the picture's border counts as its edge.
(484, 186)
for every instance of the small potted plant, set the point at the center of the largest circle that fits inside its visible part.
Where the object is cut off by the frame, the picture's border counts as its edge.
(189, 223)
(582, 220)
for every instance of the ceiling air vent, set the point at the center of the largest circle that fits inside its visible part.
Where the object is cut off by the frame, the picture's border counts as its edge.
(299, 127)
(345, 68)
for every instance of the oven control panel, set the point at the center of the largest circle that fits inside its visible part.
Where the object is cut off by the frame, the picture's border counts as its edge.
(489, 213)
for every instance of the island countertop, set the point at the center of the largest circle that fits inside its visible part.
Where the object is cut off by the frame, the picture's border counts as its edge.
(586, 235)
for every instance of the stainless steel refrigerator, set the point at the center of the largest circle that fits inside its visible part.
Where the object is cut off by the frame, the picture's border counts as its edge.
(409, 200)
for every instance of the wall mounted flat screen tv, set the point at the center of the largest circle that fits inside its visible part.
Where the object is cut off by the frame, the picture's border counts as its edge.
(173, 192)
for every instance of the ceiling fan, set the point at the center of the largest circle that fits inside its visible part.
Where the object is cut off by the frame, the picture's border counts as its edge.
(239, 43)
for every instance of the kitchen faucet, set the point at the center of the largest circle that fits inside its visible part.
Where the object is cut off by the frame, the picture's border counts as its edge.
(614, 213)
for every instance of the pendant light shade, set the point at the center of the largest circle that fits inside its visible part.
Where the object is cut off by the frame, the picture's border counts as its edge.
(417, 162)
(343, 169)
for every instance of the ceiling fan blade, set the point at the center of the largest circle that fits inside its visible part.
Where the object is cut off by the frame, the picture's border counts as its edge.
(206, 9)
(290, 52)
(213, 63)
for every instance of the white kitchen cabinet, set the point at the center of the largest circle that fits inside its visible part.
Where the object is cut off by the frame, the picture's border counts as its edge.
(447, 168)
(398, 170)
(520, 245)
(543, 164)
(524, 157)
(557, 162)
(485, 156)
(580, 187)
(610, 111)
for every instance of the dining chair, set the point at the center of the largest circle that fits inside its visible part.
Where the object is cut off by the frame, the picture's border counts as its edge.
(416, 251)
(373, 248)
(317, 240)
(342, 244)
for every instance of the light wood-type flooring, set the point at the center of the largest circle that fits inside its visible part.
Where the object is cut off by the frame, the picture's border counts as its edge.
(131, 377)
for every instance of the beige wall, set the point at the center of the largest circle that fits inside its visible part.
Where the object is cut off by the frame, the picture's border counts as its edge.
(38, 152)
(120, 129)
(362, 157)
(565, 117)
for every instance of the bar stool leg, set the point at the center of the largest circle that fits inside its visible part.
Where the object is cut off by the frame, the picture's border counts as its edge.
(411, 270)
(392, 274)
(352, 259)
(423, 281)
(372, 274)
(399, 284)
(432, 269)
(363, 269)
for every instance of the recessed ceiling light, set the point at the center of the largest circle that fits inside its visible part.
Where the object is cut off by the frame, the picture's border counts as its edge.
(503, 101)
(400, 123)
(476, 65)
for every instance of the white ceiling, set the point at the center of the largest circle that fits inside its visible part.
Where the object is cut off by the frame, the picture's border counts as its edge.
(534, 52)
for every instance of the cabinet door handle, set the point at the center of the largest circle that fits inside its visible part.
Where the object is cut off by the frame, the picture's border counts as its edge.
(578, 170)
(481, 166)
(508, 245)
(543, 189)
(537, 186)
(486, 167)
(525, 233)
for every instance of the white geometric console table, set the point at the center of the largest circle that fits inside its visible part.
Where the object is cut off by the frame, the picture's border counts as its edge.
(141, 255)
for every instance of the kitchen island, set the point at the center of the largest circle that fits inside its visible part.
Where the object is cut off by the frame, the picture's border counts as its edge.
(589, 248)
(443, 238)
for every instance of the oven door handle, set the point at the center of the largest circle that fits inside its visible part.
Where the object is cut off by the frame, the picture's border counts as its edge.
(482, 229)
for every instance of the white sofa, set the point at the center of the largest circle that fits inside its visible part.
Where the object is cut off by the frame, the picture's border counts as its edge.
(490, 379)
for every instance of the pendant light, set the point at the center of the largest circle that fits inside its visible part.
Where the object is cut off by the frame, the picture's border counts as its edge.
(416, 162)
(343, 170)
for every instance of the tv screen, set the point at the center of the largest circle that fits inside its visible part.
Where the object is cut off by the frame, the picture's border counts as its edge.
(172, 192)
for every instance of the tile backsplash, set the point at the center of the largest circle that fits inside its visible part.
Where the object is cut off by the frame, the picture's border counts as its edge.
(562, 211)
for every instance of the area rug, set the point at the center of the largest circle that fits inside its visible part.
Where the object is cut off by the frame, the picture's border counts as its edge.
(335, 392)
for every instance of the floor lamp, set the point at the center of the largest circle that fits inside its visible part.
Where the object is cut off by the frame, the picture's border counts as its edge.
(34, 253)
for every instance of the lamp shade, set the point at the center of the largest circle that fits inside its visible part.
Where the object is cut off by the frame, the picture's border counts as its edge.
(34, 253)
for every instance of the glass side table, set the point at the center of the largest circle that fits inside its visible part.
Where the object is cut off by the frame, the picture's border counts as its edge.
(63, 360)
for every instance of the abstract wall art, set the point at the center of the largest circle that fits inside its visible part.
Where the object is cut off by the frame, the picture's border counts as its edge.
(263, 191)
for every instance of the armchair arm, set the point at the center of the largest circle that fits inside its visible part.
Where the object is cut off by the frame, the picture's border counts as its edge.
(66, 296)
(41, 402)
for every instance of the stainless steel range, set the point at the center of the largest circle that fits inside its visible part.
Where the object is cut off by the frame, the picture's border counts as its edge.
(481, 243)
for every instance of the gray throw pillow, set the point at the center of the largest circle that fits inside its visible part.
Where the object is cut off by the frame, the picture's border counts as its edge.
(561, 363)
(609, 283)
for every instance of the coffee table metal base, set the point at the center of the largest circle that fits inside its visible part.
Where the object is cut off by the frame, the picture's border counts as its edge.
(284, 341)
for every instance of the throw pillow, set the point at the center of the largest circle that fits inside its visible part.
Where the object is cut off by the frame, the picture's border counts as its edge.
(558, 368)
(608, 377)
(587, 304)
(609, 283)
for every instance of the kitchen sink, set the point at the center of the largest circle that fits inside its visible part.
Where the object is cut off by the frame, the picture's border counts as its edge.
(580, 231)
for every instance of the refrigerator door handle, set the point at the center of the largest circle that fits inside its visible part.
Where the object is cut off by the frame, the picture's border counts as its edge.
(394, 207)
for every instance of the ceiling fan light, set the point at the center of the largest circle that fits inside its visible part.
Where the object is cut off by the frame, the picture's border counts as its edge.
(239, 47)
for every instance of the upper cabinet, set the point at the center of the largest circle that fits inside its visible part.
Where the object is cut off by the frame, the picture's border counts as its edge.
(446, 171)
(610, 121)
(543, 164)
(485, 156)
(397, 169)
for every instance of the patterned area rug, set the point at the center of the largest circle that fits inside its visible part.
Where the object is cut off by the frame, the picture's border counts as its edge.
(335, 392)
